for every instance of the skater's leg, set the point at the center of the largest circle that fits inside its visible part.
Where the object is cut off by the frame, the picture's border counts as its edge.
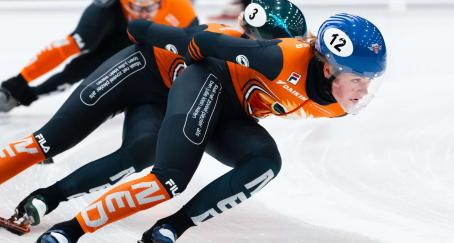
(192, 112)
(88, 106)
(137, 152)
(193, 109)
(244, 145)
(140, 132)
(75, 71)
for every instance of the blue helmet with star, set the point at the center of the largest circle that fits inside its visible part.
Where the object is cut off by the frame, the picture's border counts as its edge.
(353, 44)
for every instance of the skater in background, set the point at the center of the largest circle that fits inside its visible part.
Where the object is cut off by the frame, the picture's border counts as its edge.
(100, 33)
(135, 80)
(216, 102)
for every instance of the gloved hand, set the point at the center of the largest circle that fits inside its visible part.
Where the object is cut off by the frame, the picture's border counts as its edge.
(32, 210)
(16, 91)
(7, 101)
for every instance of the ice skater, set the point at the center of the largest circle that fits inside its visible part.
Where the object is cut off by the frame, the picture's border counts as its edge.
(135, 80)
(214, 106)
(100, 33)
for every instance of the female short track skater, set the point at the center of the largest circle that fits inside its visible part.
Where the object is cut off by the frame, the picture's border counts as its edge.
(101, 33)
(136, 80)
(217, 100)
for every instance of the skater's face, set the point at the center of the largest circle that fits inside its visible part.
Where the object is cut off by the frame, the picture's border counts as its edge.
(348, 88)
(145, 9)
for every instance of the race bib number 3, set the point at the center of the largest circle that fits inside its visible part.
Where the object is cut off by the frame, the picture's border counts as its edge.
(255, 15)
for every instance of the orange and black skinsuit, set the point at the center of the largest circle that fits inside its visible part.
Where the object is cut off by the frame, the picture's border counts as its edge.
(213, 106)
(135, 80)
(100, 33)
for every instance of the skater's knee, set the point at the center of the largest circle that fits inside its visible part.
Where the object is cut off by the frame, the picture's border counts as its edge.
(268, 157)
(255, 174)
(139, 153)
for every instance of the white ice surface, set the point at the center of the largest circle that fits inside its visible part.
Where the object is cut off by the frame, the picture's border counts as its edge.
(383, 176)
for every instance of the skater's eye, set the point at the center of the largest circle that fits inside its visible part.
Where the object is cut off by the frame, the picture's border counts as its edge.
(148, 8)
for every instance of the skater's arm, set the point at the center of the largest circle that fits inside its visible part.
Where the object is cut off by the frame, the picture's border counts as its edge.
(158, 35)
(96, 22)
(262, 56)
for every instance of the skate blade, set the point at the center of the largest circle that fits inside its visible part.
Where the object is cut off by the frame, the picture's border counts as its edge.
(13, 227)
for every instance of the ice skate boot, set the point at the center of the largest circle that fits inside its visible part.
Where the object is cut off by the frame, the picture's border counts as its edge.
(159, 234)
(54, 236)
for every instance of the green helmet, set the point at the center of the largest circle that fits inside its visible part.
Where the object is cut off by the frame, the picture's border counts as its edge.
(269, 19)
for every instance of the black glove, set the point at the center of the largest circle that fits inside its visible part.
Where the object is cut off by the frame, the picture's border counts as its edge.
(19, 89)
(49, 195)
(7, 101)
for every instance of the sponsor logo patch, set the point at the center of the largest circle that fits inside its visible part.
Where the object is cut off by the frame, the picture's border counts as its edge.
(171, 48)
(291, 90)
(42, 142)
(172, 186)
(294, 78)
(376, 48)
(242, 60)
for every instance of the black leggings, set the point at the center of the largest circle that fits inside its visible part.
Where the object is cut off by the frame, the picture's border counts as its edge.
(203, 114)
(128, 81)
(137, 152)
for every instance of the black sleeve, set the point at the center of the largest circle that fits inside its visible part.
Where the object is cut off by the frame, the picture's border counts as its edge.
(263, 56)
(158, 35)
(96, 23)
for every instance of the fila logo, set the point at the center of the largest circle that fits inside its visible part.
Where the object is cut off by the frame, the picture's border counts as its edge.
(294, 78)
(172, 187)
(242, 60)
(20, 146)
(42, 142)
